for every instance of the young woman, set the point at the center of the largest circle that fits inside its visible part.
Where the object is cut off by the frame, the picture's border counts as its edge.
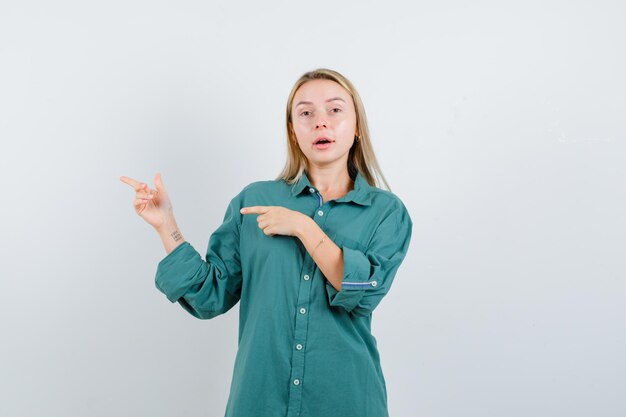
(309, 256)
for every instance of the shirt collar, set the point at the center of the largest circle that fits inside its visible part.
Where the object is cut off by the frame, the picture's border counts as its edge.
(361, 194)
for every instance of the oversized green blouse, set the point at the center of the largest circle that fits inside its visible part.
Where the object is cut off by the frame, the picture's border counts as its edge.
(304, 348)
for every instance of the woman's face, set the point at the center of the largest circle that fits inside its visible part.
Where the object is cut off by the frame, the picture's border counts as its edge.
(323, 108)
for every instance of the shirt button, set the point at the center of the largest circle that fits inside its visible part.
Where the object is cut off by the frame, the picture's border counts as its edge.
(299, 346)
(311, 190)
(306, 277)
(302, 310)
(321, 213)
(374, 283)
(296, 382)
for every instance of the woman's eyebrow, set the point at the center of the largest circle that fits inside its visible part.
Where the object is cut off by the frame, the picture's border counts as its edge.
(330, 99)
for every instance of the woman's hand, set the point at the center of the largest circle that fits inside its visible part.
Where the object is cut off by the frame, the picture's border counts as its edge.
(153, 206)
(277, 220)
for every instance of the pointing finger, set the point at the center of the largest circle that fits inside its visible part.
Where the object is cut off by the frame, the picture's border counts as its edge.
(254, 209)
(137, 185)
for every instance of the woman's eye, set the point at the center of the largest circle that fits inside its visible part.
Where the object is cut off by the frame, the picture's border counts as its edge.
(337, 108)
(303, 113)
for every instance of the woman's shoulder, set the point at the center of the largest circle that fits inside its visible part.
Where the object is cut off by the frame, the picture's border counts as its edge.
(261, 187)
(385, 199)
(389, 207)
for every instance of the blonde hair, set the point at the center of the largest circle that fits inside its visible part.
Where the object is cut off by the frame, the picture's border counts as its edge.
(361, 157)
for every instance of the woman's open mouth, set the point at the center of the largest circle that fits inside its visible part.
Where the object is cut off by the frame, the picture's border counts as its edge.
(323, 144)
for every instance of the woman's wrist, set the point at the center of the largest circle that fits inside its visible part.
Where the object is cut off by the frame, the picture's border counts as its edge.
(170, 234)
(303, 226)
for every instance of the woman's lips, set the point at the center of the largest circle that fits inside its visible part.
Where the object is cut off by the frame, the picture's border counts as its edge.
(323, 145)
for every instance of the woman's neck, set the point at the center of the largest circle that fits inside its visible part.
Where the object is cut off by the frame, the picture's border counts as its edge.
(331, 183)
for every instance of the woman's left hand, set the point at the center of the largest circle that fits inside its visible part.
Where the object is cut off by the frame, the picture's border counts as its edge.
(277, 220)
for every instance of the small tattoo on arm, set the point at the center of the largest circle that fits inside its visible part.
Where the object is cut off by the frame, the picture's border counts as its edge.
(176, 236)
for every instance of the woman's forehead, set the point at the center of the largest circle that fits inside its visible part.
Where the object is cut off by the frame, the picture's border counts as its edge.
(320, 91)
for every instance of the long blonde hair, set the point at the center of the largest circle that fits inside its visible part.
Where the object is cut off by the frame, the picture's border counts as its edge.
(361, 157)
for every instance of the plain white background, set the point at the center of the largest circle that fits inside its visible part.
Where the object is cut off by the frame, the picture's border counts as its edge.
(499, 124)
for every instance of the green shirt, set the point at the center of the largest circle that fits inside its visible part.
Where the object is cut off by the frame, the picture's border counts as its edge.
(304, 348)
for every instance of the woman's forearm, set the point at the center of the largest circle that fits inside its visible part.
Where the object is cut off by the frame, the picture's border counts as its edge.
(328, 256)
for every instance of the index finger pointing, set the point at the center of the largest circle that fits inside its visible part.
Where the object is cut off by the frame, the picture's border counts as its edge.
(133, 183)
(254, 209)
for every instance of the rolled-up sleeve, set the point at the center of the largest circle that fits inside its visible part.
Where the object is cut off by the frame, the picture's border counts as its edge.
(206, 288)
(368, 274)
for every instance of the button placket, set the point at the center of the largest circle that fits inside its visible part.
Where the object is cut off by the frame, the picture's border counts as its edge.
(320, 198)
(298, 382)
(300, 336)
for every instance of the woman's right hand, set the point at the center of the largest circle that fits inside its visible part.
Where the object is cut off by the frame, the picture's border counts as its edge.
(154, 206)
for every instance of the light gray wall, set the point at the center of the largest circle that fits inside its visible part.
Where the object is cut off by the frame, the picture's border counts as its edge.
(501, 126)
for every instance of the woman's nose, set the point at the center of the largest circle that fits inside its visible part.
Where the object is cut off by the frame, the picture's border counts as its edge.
(321, 123)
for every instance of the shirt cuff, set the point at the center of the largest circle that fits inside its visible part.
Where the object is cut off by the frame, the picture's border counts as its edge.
(356, 274)
(176, 269)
